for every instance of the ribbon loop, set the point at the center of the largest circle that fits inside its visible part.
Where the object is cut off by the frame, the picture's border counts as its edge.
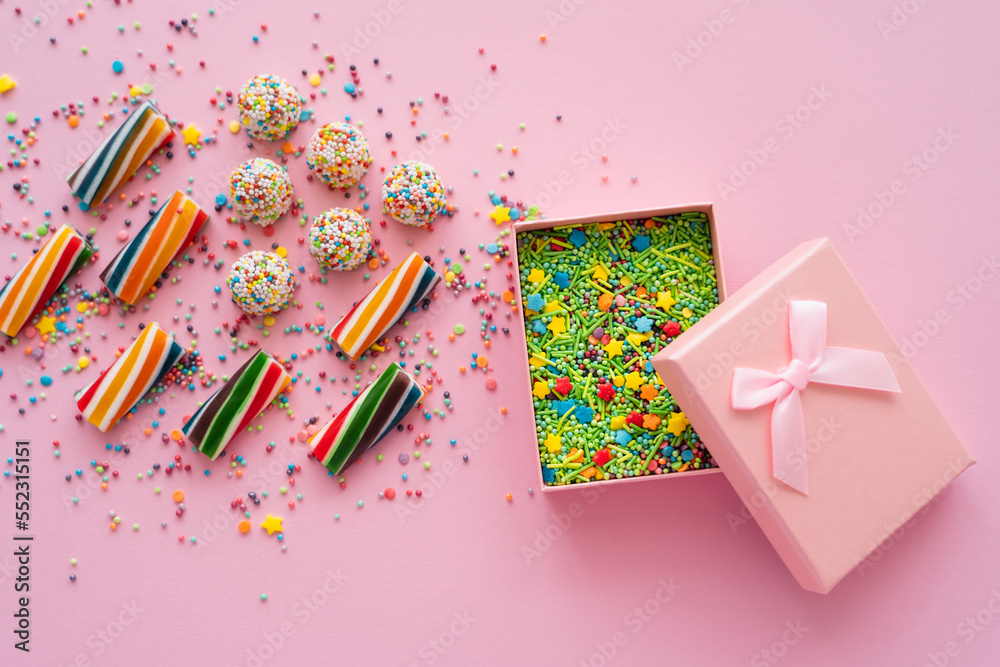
(812, 361)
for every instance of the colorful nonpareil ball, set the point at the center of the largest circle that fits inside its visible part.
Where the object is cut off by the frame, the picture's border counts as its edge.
(340, 239)
(261, 282)
(261, 191)
(269, 107)
(338, 154)
(412, 194)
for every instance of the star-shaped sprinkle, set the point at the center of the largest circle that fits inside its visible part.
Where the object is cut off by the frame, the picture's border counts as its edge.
(500, 214)
(553, 443)
(578, 237)
(538, 361)
(643, 324)
(623, 438)
(557, 325)
(637, 339)
(613, 348)
(538, 327)
(634, 418)
(535, 302)
(601, 456)
(605, 391)
(640, 243)
(672, 329)
(191, 135)
(650, 422)
(600, 273)
(562, 407)
(633, 380)
(541, 389)
(46, 325)
(563, 386)
(536, 276)
(272, 524)
(664, 300)
(677, 423)
(617, 423)
(649, 392)
(561, 278)
(584, 415)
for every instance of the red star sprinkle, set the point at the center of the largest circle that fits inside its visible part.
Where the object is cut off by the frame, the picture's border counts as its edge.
(605, 391)
(672, 329)
(601, 457)
(563, 385)
(634, 418)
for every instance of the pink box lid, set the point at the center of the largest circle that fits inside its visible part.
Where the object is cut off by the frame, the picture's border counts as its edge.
(875, 458)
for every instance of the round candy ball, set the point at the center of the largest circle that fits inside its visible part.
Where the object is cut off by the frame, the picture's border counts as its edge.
(269, 107)
(340, 239)
(261, 282)
(261, 191)
(338, 154)
(412, 194)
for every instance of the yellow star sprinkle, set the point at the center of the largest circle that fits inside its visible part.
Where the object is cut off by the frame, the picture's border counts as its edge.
(633, 380)
(600, 273)
(46, 325)
(553, 443)
(617, 423)
(557, 325)
(500, 214)
(536, 276)
(191, 135)
(538, 361)
(551, 306)
(664, 300)
(678, 422)
(613, 348)
(541, 389)
(272, 524)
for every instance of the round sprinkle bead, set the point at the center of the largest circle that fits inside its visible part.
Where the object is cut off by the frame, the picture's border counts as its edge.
(340, 239)
(261, 282)
(261, 191)
(412, 194)
(338, 154)
(269, 107)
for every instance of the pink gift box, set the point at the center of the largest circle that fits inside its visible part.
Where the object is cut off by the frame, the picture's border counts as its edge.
(523, 227)
(865, 457)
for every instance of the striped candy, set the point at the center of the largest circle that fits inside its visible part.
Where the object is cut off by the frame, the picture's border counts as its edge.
(38, 280)
(367, 419)
(120, 155)
(109, 398)
(136, 268)
(408, 284)
(229, 410)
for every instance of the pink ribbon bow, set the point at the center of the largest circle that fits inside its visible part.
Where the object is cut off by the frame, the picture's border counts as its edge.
(812, 361)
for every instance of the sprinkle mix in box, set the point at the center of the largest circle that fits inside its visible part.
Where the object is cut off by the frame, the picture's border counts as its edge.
(600, 297)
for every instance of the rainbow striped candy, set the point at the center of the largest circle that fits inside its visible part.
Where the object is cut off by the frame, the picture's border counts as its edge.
(406, 286)
(109, 398)
(120, 155)
(367, 419)
(139, 264)
(36, 282)
(229, 410)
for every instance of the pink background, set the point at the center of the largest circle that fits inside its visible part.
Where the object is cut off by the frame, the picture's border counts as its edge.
(682, 129)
